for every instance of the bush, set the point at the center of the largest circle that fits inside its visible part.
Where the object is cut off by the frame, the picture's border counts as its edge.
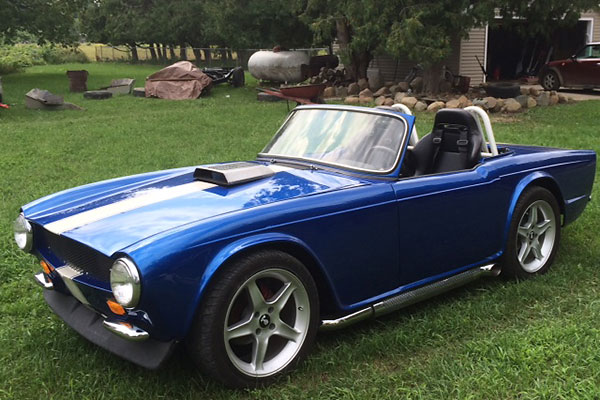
(16, 57)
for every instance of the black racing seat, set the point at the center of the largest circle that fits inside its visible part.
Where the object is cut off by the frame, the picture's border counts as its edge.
(454, 144)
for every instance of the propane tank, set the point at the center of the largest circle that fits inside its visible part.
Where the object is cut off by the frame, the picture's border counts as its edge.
(281, 66)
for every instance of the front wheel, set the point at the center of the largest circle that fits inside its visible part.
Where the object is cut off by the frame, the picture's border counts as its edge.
(257, 321)
(534, 234)
(550, 81)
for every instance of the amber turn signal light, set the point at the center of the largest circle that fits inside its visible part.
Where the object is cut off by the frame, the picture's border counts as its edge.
(46, 267)
(115, 307)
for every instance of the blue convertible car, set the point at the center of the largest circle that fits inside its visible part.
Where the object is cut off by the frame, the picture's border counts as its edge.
(346, 214)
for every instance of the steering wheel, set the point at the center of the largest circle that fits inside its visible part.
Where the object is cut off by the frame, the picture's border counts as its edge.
(387, 158)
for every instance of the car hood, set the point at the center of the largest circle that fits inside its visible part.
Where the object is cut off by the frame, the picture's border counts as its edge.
(111, 215)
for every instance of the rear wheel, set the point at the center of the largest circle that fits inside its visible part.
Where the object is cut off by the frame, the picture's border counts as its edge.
(550, 81)
(257, 321)
(534, 234)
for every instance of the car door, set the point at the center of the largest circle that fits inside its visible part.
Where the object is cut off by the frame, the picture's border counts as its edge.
(589, 66)
(448, 222)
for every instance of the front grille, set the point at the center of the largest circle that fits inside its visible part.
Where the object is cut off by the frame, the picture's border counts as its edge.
(74, 253)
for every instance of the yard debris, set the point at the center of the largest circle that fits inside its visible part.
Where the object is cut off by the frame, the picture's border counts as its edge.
(180, 81)
(39, 99)
(97, 94)
(77, 80)
(120, 86)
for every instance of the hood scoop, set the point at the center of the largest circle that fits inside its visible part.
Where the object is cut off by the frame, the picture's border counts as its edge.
(234, 173)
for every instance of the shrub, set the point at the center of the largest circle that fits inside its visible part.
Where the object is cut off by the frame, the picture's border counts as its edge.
(16, 57)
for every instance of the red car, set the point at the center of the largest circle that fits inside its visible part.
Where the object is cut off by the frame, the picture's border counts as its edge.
(582, 70)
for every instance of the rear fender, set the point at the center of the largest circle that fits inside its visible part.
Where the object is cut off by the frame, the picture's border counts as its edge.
(545, 180)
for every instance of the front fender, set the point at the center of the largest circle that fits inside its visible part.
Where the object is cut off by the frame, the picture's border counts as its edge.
(519, 189)
(241, 245)
(553, 69)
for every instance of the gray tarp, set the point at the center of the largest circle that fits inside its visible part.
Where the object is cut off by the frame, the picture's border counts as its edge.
(180, 81)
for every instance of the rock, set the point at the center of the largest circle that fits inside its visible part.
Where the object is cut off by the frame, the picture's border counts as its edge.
(351, 100)
(409, 101)
(480, 103)
(522, 100)
(524, 90)
(436, 106)
(490, 102)
(399, 96)
(562, 99)
(394, 89)
(512, 105)
(363, 84)
(469, 103)
(341, 91)
(366, 93)
(531, 102)
(366, 99)
(420, 106)
(535, 92)
(379, 101)
(553, 93)
(543, 99)
(571, 100)
(499, 105)
(329, 92)
(417, 84)
(463, 102)
(382, 92)
(353, 88)
(554, 99)
(403, 86)
(389, 102)
(388, 84)
(454, 103)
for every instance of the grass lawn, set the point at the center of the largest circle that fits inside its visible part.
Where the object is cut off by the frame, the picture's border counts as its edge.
(492, 339)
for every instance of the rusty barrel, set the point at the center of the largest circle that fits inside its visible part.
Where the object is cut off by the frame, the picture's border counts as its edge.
(77, 80)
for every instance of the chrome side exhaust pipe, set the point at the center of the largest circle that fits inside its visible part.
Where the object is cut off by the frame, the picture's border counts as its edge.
(411, 297)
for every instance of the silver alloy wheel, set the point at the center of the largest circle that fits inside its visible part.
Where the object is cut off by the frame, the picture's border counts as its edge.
(536, 235)
(550, 80)
(267, 322)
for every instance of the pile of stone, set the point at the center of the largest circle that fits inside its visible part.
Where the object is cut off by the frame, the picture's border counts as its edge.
(360, 93)
(331, 77)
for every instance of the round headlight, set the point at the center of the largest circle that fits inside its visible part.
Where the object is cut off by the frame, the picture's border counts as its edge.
(125, 282)
(23, 233)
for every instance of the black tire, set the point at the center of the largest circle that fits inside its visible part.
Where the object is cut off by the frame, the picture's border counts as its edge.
(530, 251)
(503, 90)
(229, 329)
(550, 80)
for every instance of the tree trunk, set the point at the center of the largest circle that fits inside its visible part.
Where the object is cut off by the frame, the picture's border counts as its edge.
(183, 52)
(360, 64)
(432, 77)
(172, 55)
(134, 54)
(162, 52)
(152, 52)
(208, 54)
(197, 55)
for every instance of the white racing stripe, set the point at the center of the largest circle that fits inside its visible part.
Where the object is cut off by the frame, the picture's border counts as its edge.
(139, 199)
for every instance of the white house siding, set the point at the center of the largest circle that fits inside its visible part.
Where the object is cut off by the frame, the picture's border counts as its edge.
(474, 45)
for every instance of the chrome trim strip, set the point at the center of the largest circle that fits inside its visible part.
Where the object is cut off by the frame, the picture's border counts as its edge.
(43, 281)
(411, 297)
(126, 331)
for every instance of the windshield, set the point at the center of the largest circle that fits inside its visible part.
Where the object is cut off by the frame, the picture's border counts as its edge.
(354, 139)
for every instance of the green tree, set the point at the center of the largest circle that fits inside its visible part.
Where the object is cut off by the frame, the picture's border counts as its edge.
(52, 21)
(361, 28)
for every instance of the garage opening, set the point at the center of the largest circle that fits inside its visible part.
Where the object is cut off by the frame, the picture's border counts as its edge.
(511, 55)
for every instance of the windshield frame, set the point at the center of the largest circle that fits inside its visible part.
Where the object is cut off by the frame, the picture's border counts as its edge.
(310, 161)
